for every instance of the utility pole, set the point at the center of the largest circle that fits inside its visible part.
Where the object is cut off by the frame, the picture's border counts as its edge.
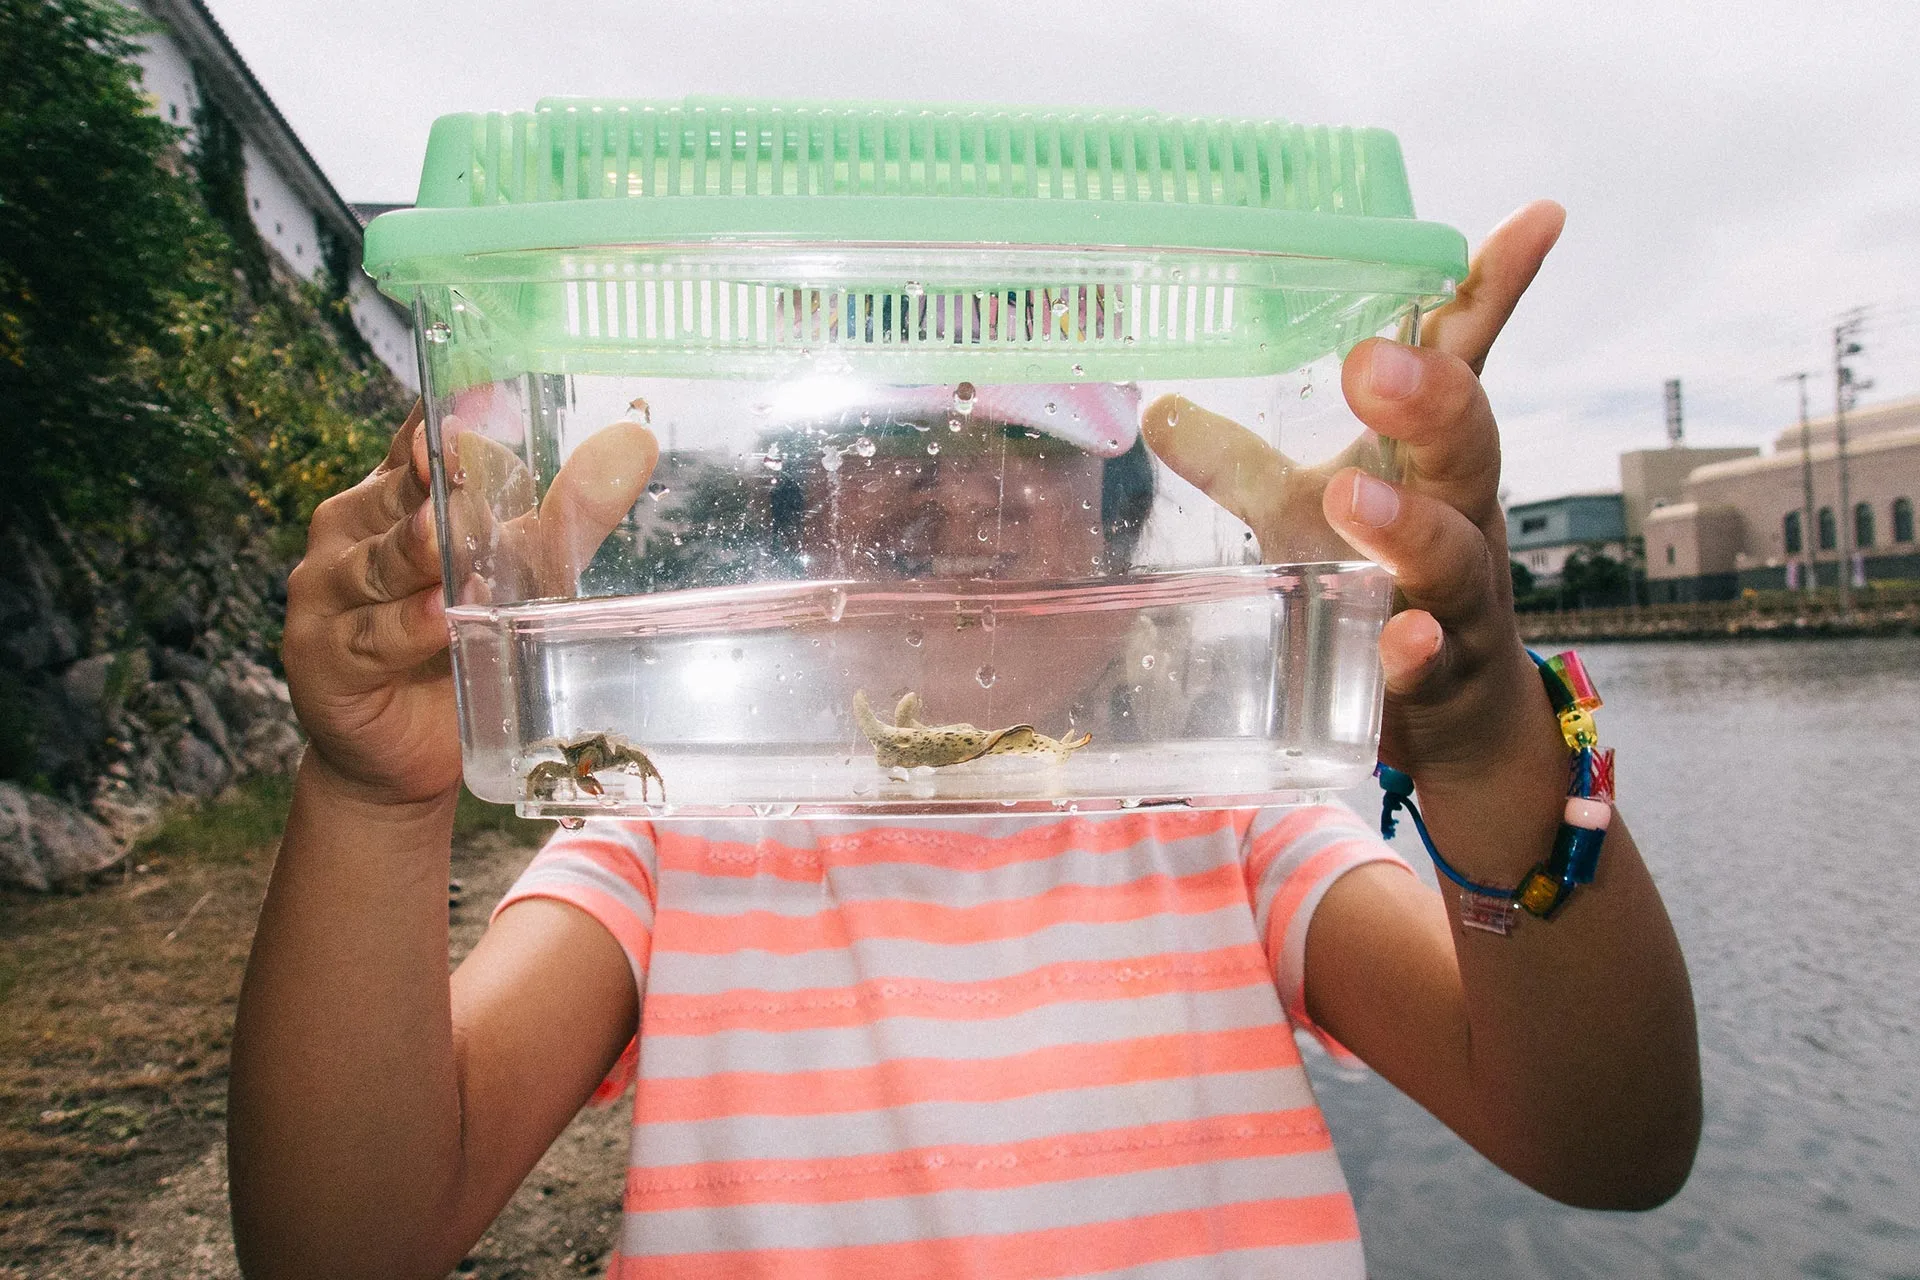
(1845, 388)
(1807, 561)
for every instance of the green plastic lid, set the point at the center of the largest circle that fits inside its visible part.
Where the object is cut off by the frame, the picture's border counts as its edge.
(589, 192)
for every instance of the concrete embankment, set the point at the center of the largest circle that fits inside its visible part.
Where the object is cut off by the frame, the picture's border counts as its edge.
(1875, 612)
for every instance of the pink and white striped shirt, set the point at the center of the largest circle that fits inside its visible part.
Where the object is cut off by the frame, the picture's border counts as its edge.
(1006, 1047)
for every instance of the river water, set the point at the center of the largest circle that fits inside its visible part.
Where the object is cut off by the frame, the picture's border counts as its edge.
(1772, 788)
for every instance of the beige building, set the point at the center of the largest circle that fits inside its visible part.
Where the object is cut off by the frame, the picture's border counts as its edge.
(1743, 522)
(1652, 478)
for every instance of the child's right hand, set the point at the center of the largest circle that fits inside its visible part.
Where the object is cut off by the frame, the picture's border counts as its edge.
(366, 632)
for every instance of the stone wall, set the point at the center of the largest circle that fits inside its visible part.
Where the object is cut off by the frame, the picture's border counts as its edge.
(133, 676)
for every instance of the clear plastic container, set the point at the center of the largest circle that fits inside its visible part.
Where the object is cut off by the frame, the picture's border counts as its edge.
(845, 459)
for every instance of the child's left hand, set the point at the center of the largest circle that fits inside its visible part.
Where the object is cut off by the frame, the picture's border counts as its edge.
(1456, 673)
(1567, 1052)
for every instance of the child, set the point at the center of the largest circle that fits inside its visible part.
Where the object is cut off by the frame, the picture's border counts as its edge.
(1006, 1047)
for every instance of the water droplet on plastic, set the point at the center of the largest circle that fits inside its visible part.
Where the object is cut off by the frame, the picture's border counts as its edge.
(915, 289)
(773, 462)
(1127, 341)
(1146, 661)
(914, 638)
(676, 541)
(1086, 504)
(1052, 407)
(739, 654)
(963, 398)
(506, 726)
(649, 658)
(438, 332)
(982, 533)
(473, 543)
(1178, 274)
(639, 411)
(1079, 371)
(1306, 392)
(1060, 307)
(864, 447)
(986, 675)
(572, 823)
(988, 619)
(657, 491)
(933, 446)
(866, 418)
(829, 458)
(1130, 802)
(836, 605)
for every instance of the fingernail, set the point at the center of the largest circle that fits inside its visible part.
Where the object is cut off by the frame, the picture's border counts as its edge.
(1375, 502)
(1395, 371)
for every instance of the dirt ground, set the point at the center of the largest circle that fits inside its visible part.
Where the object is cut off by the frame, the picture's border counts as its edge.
(115, 1008)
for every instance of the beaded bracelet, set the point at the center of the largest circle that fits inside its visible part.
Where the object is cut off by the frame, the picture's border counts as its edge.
(1583, 826)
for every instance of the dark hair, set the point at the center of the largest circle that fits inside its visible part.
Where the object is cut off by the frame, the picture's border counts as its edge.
(1126, 497)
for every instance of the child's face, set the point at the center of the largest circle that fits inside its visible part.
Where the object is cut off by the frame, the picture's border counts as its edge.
(990, 501)
(982, 502)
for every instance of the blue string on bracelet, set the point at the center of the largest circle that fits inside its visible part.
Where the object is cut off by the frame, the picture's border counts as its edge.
(1575, 856)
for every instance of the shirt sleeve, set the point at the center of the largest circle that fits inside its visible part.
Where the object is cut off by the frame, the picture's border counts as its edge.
(1293, 856)
(609, 870)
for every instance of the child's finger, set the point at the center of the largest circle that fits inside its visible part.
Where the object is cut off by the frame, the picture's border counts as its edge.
(1217, 456)
(377, 503)
(400, 450)
(590, 496)
(1410, 647)
(391, 566)
(1434, 405)
(1438, 557)
(1505, 265)
(395, 636)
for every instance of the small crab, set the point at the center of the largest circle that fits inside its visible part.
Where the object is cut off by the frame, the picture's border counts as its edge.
(907, 743)
(586, 756)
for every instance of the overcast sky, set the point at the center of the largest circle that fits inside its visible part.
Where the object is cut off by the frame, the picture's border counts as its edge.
(1737, 175)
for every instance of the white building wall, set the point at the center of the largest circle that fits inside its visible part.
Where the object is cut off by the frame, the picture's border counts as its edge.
(286, 222)
(167, 77)
(379, 323)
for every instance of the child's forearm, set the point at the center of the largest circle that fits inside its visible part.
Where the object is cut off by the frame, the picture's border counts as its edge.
(345, 1123)
(1579, 1031)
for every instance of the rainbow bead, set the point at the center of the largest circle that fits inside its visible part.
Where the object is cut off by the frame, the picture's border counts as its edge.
(1576, 725)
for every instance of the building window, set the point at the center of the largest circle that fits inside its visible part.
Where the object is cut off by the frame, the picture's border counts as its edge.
(1669, 553)
(1828, 530)
(1791, 528)
(1532, 524)
(1903, 520)
(1863, 525)
(173, 111)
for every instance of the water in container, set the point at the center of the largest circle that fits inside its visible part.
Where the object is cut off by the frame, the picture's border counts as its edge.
(799, 458)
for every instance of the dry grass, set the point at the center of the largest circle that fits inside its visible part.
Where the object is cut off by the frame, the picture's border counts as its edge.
(115, 1010)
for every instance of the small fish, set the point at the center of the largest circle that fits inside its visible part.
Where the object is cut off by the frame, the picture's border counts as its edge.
(909, 744)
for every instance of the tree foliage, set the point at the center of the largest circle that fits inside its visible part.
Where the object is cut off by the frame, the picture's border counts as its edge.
(148, 352)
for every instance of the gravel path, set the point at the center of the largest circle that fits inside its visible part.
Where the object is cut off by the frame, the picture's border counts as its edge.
(560, 1224)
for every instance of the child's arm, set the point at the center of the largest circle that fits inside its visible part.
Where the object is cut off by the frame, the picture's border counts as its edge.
(380, 1116)
(1566, 1052)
